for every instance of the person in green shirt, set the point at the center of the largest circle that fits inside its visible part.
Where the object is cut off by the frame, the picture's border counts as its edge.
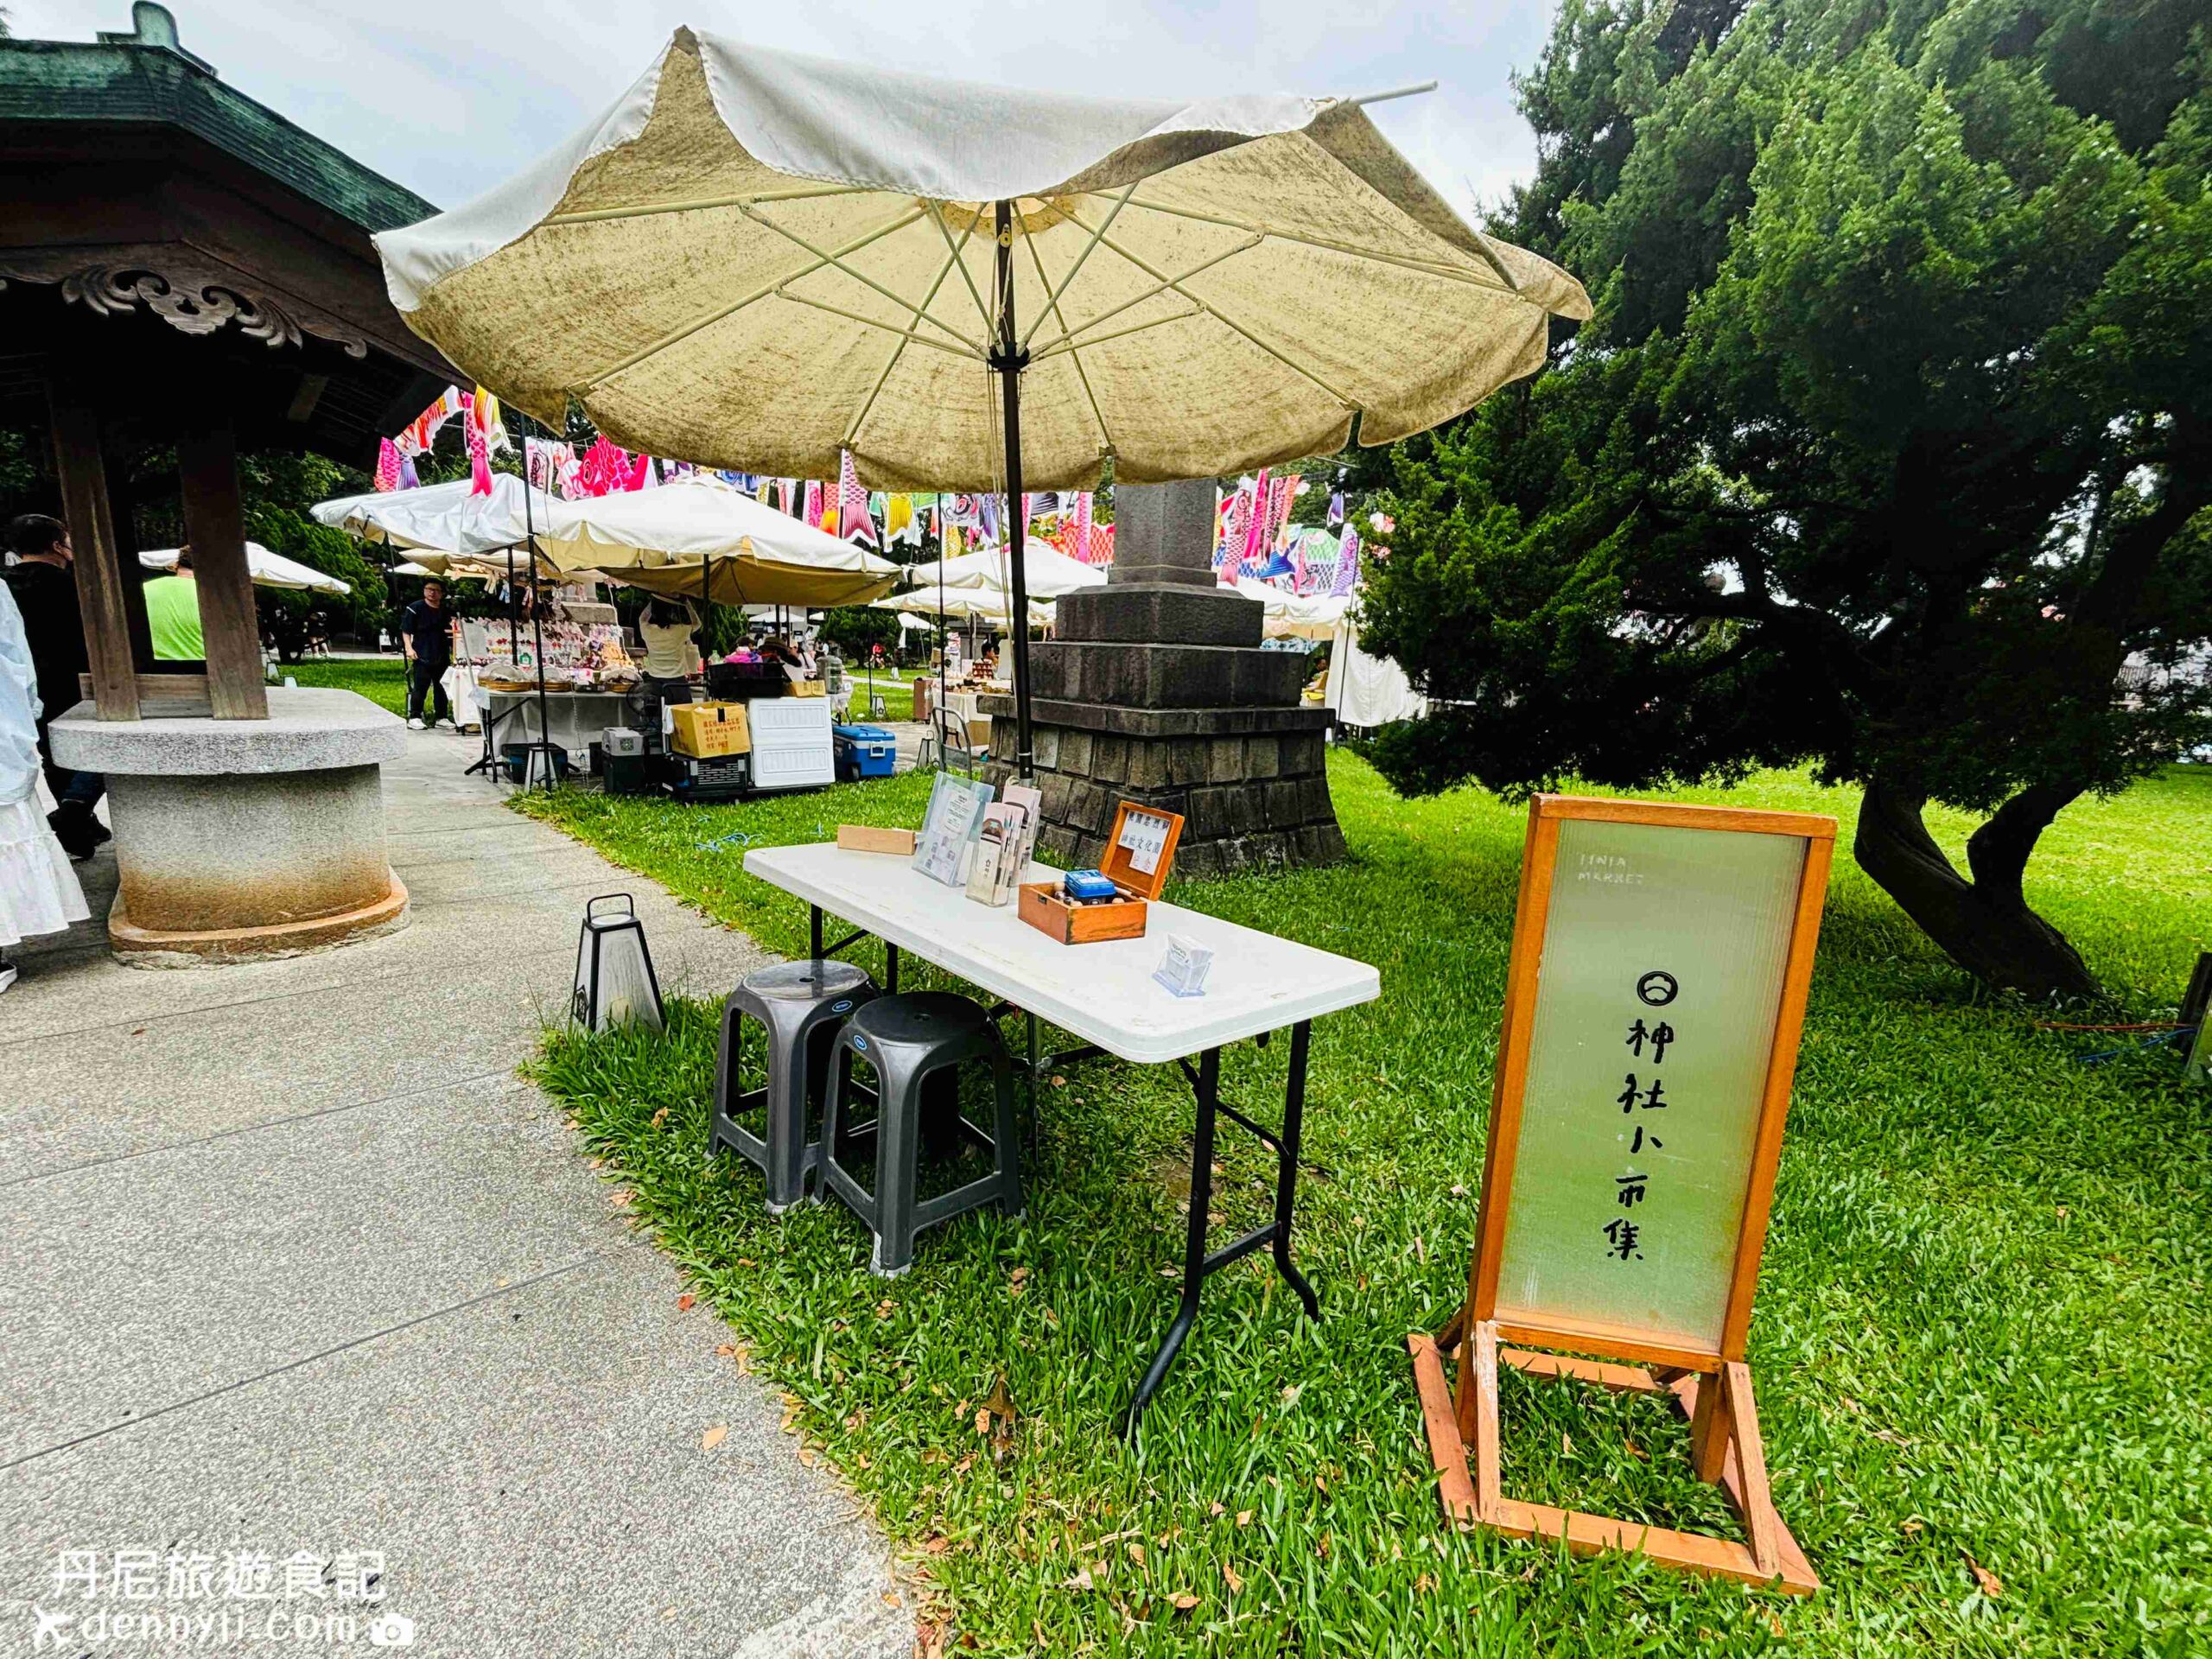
(173, 615)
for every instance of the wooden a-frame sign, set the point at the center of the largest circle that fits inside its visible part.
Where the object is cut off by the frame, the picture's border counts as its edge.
(1661, 957)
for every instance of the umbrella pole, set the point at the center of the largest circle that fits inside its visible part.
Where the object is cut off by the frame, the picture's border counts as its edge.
(942, 642)
(537, 621)
(1008, 358)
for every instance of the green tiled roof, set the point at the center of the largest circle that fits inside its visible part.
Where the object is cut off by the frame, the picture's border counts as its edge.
(149, 78)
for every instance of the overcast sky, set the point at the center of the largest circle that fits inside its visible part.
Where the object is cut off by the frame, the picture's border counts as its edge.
(449, 98)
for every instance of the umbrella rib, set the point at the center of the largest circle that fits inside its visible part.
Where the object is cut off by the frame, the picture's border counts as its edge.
(937, 217)
(837, 260)
(1227, 320)
(1061, 346)
(1425, 267)
(871, 322)
(683, 332)
(810, 193)
(1052, 295)
(1158, 288)
(1052, 304)
(900, 350)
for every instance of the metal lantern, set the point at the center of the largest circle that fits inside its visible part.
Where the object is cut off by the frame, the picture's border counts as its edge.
(615, 984)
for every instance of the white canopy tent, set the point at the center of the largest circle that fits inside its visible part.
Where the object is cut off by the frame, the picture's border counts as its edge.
(700, 529)
(1049, 572)
(985, 605)
(761, 259)
(1366, 691)
(268, 569)
(1309, 616)
(443, 518)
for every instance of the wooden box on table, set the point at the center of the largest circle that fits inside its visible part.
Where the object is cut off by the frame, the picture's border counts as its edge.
(1046, 908)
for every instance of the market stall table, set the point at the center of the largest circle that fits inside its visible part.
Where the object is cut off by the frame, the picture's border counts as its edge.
(576, 718)
(1105, 995)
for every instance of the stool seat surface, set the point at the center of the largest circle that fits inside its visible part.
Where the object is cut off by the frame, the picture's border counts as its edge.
(919, 1018)
(803, 981)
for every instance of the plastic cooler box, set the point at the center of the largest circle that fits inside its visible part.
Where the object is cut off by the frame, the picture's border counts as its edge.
(865, 751)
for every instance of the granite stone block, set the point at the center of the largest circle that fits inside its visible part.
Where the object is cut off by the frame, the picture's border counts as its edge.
(1147, 766)
(1187, 760)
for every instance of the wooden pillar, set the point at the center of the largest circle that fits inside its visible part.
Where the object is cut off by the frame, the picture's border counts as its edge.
(83, 476)
(207, 467)
(121, 503)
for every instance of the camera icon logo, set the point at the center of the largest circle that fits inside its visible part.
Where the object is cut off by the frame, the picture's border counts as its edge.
(392, 1630)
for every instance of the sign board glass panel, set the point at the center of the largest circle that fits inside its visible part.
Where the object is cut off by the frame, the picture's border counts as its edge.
(1657, 995)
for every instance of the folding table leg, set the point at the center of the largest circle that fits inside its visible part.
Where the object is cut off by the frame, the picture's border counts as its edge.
(1294, 1115)
(813, 931)
(1036, 1134)
(1194, 1241)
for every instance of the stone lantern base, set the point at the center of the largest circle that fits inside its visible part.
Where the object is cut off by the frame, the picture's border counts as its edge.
(240, 839)
(1157, 691)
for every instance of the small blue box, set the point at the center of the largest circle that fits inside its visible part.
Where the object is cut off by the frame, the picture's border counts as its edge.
(864, 751)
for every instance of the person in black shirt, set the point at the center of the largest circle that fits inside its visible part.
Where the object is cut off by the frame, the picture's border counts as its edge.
(45, 590)
(426, 635)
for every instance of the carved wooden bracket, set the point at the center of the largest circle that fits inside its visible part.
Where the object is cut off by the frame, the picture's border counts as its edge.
(190, 293)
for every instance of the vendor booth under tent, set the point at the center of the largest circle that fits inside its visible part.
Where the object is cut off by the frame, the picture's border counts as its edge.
(267, 569)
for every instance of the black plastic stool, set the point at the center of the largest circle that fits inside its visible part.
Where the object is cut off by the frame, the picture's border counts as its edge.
(800, 1005)
(906, 1038)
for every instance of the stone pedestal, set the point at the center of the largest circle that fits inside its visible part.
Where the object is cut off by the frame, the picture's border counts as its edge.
(1157, 691)
(239, 840)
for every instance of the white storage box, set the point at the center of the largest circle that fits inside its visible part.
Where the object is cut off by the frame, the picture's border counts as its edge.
(792, 747)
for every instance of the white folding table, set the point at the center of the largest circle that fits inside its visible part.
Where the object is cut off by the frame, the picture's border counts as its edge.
(1105, 994)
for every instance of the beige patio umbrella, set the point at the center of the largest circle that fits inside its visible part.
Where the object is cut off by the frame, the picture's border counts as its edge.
(755, 259)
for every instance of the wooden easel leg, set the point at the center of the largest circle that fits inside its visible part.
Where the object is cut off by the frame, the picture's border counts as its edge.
(1709, 1429)
(1760, 1518)
(1478, 1415)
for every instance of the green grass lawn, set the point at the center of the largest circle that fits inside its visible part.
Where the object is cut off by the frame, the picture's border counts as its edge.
(382, 680)
(1981, 1340)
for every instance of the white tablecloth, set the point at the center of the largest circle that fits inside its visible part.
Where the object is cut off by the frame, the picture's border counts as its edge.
(575, 719)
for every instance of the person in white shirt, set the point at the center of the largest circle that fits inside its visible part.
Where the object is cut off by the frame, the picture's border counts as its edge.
(670, 629)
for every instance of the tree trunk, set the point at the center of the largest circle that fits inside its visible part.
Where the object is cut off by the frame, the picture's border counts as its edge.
(1984, 924)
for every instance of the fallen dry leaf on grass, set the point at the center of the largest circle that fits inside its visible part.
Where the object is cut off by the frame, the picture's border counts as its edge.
(1243, 1517)
(1424, 1584)
(1228, 1577)
(1081, 1580)
(1182, 1601)
(660, 1117)
(1136, 1553)
(713, 1437)
(1987, 1581)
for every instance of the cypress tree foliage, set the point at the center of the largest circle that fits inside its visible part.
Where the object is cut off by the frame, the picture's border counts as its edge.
(1888, 450)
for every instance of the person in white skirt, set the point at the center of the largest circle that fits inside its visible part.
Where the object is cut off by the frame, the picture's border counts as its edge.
(38, 890)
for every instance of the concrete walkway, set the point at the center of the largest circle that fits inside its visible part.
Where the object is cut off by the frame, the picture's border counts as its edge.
(296, 1264)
